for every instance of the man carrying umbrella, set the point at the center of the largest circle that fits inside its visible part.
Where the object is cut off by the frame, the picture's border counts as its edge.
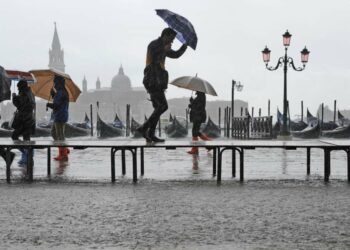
(156, 79)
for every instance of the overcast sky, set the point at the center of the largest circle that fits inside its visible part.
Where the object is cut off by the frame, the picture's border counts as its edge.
(98, 36)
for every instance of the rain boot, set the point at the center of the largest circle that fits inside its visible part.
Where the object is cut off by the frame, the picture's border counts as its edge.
(65, 153)
(60, 154)
(204, 137)
(194, 150)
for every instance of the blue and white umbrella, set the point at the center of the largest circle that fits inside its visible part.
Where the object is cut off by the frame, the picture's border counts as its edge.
(183, 27)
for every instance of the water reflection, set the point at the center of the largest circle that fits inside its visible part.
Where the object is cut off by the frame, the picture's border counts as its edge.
(61, 167)
(195, 167)
(284, 162)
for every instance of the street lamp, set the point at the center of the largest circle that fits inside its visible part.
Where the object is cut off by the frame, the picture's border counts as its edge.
(286, 61)
(239, 88)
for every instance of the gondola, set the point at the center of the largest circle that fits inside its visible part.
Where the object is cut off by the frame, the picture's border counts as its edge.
(324, 125)
(175, 129)
(297, 125)
(342, 121)
(117, 122)
(70, 130)
(310, 132)
(133, 129)
(105, 130)
(340, 132)
(39, 131)
(86, 124)
(5, 132)
(211, 129)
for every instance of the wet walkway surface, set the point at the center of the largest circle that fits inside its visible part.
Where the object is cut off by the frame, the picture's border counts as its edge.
(191, 214)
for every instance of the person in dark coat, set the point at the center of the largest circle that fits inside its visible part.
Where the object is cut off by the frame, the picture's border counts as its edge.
(198, 115)
(156, 79)
(60, 107)
(24, 119)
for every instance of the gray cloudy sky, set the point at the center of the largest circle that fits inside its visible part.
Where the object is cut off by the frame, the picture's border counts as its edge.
(97, 36)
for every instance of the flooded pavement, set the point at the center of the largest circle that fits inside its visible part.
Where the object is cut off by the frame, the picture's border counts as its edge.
(177, 204)
(265, 214)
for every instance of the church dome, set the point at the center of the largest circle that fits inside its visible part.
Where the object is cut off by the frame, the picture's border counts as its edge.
(121, 82)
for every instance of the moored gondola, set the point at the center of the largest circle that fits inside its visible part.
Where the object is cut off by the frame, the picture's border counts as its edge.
(133, 128)
(39, 131)
(211, 129)
(310, 132)
(340, 132)
(105, 130)
(175, 129)
(117, 122)
(86, 124)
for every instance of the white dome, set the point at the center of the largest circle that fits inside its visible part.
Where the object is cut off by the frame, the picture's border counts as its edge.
(121, 82)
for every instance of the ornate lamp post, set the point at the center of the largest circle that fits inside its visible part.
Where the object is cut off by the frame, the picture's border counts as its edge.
(285, 61)
(239, 88)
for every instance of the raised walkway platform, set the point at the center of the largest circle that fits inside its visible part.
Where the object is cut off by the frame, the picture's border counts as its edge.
(218, 146)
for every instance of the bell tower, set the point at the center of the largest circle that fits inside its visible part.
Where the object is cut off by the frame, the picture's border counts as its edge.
(56, 54)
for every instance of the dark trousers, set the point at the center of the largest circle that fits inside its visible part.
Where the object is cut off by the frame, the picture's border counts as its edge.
(195, 129)
(3, 153)
(25, 132)
(160, 105)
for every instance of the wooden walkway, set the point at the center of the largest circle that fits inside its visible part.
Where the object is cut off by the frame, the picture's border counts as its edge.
(218, 146)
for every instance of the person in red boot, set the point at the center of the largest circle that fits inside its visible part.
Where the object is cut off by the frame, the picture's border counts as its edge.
(198, 115)
(60, 107)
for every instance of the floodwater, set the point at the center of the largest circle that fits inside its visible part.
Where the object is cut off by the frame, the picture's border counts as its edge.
(177, 204)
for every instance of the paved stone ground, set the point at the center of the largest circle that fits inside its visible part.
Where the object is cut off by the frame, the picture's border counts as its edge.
(176, 215)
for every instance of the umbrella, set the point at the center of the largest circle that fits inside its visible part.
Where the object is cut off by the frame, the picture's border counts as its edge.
(5, 85)
(194, 83)
(20, 75)
(44, 84)
(183, 27)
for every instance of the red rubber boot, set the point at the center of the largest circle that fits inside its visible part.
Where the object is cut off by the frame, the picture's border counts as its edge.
(194, 150)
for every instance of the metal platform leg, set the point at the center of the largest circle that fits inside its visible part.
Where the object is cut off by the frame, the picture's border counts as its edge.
(49, 161)
(134, 165)
(30, 164)
(348, 156)
(8, 161)
(112, 165)
(123, 162)
(327, 164)
(234, 162)
(142, 161)
(241, 167)
(218, 178)
(308, 157)
(214, 161)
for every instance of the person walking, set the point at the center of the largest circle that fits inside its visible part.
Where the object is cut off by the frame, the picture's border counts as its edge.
(3, 154)
(60, 107)
(198, 115)
(24, 119)
(156, 79)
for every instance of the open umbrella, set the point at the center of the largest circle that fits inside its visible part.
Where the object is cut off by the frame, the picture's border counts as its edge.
(194, 83)
(183, 27)
(5, 85)
(20, 75)
(44, 84)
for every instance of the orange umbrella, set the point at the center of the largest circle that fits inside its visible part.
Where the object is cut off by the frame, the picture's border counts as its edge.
(44, 84)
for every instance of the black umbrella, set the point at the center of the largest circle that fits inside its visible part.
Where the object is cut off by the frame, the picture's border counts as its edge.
(5, 85)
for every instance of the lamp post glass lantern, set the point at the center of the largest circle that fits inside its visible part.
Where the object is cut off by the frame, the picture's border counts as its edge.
(238, 86)
(286, 62)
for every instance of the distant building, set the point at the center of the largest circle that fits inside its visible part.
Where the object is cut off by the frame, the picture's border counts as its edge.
(56, 54)
(113, 99)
